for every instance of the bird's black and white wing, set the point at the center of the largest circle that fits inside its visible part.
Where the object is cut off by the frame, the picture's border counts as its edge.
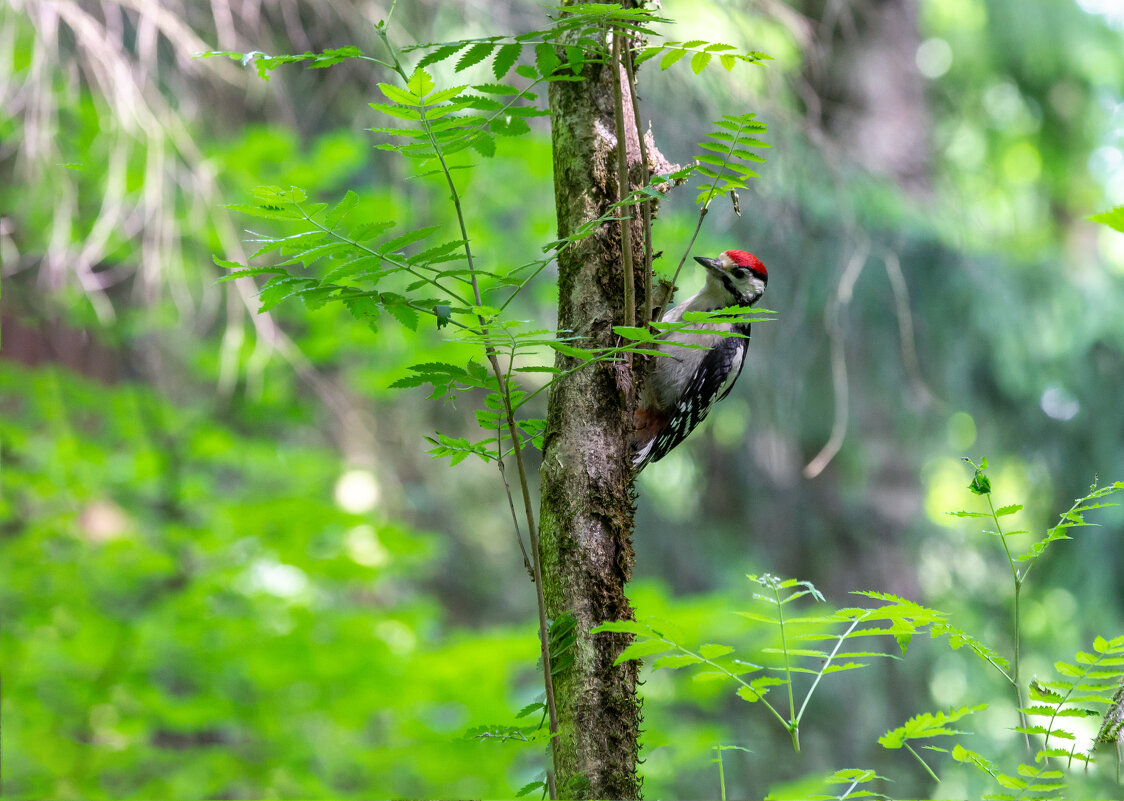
(711, 382)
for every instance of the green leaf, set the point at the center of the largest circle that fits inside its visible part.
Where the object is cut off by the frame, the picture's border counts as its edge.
(546, 59)
(505, 59)
(341, 209)
(714, 650)
(635, 333)
(396, 95)
(420, 83)
(363, 308)
(638, 650)
(403, 314)
(699, 62)
(1113, 218)
(474, 55)
(537, 706)
(279, 289)
(1003, 511)
(671, 56)
(573, 352)
(441, 53)
(675, 661)
(926, 725)
(529, 788)
(408, 238)
(981, 484)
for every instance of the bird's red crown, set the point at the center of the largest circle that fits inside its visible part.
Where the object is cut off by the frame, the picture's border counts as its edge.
(743, 259)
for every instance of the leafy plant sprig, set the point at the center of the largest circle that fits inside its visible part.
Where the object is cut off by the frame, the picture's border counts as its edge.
(1071, 518)
(901, 618)
(923, 727)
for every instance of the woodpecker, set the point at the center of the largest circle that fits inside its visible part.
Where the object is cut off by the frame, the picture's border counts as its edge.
(682, 385)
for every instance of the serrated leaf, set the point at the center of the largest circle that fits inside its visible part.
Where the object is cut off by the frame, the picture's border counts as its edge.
(341, 209)
(546, 60)
(505, 59)
(398, 95)
(699, 62)
(1008, 510)
(638, 650)
(280, 289)
(474, 55)
(1113, 218)
(714, 650)
(278, 212)
(675, 661)
(529, 788)
(420, 83)
(363, 308)
(671, 56)
(709, 675)
(441, 53)
(408, 238)
(403, 314)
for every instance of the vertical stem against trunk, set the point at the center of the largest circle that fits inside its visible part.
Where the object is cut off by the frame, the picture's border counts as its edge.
(646, 176)
(586, 516)
(623, 183)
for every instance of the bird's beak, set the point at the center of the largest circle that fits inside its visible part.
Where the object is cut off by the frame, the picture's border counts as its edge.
(710, 264)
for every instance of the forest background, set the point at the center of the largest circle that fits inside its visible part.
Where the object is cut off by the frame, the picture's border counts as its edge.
(230, 568)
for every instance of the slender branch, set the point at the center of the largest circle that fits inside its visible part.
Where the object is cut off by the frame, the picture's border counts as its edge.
(924, 764)
(623, 186)
(702, 215)
(544, 633)
(793, 725)
(524, 282)
(510, 500)
(721, 774)
(1018, 590)
(698, 227)
(645, 205)
(824, 666)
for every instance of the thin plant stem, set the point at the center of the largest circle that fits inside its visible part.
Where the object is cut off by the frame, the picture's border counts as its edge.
(505, 395)
(510, 501)
(682, 261)
(1018, 591)
(793, 724)
(924, 764)
(623, 185)
(823, 668)
(646, 205)
(721, 774)
(702, 216)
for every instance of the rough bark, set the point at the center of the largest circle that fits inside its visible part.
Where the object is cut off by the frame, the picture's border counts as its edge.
(587, 507)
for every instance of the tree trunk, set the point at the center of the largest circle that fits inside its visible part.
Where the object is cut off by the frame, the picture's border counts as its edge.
(587, 507)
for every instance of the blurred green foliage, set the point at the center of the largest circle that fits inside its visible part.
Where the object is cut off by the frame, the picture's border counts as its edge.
(188, 610)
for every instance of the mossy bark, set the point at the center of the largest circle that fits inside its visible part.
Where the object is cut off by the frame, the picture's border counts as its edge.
(587, 506)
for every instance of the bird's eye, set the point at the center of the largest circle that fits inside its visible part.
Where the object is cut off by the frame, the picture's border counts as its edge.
(740, 272)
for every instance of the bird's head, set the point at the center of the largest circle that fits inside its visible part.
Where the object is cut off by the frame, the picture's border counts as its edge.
(738, 274)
